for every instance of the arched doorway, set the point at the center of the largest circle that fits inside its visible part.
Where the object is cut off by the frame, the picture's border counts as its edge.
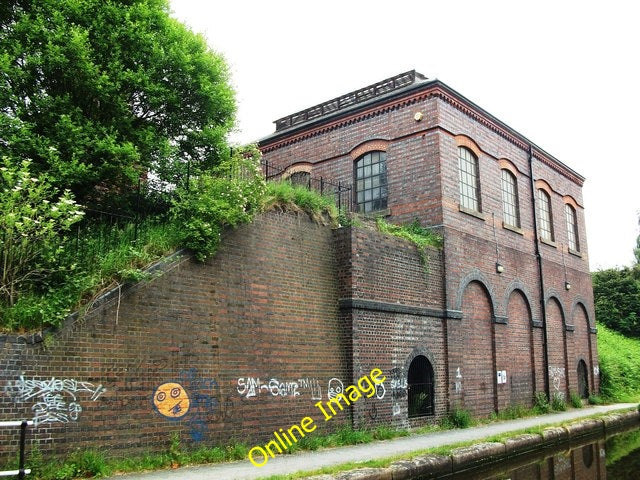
(583, 379)
(420, 391)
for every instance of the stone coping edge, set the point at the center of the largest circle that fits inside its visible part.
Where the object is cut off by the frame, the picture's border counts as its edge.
(474, 456)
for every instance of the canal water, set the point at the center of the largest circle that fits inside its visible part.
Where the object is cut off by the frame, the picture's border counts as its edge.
(616, 457)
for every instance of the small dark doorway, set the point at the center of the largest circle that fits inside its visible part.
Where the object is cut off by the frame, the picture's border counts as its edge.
(420, 391)
(583, 379)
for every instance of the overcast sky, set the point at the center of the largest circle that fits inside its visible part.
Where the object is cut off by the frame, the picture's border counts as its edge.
(562, 73)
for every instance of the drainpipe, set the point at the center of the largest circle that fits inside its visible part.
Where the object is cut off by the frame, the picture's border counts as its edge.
(543, 309)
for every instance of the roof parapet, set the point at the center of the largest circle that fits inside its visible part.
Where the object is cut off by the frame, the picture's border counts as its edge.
(350, 99)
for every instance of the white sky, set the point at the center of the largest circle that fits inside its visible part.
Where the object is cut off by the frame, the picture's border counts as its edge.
(563, 73)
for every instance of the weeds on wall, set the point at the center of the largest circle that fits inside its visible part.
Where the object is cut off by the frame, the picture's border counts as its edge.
(294, 198)
(420, 236)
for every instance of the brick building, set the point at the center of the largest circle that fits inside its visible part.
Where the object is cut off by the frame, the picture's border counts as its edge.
(289, 313)
(515, 315)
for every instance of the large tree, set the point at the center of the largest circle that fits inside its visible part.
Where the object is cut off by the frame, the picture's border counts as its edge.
(97, 93)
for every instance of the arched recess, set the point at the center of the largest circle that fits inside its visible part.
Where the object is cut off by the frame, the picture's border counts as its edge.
(476, 276)
(420, 387)
(476, 338)
(519, 347)
(582, 337)
(582, 372)
(556, 347)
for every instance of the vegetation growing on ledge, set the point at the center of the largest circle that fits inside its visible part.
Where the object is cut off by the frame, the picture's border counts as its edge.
(285, 196)
(421, 237)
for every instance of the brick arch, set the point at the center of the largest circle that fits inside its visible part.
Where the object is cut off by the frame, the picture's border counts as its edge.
(582, 346)
(509, 165)
(518, 285)
(552, 294)
(476, 276)
(300, 167)
(514, 352)
(578, 302)
(558, 369)
(468, 142)
(374, 145)
(474, 361)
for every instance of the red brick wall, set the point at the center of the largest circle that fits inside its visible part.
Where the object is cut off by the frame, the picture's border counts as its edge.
(396, 310)
(471, 357)
(266, 306)
(515, 353)
(423, 183)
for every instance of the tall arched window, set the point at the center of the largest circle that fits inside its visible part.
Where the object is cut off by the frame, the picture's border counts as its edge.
(420, 390)
(371, 182)
(546, 222)
(572, 227)
(469, 185)
(510, 207)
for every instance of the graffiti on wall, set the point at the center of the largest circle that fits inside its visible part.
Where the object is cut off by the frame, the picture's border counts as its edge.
(398, 386)
(55, 400)
(191, 397)
(252, 387)
(556, 378)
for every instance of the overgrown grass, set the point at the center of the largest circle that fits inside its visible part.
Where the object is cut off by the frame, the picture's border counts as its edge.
(619, 365)
(288, 197)
(422, 237)
(101, 259)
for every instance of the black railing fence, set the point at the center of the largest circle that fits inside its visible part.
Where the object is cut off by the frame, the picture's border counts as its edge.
(340, 191)
(146, 207)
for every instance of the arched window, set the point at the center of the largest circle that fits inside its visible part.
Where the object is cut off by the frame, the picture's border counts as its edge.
(371, 182)
(510, 207)
(583, 379)
(469, 185)
(572, 227)
(546, 223)
(300, 178)
(420, 390)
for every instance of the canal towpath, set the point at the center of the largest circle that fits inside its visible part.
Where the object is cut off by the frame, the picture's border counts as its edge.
(314, 460)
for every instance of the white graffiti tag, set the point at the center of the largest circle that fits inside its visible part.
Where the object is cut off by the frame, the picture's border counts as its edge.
(56, 400)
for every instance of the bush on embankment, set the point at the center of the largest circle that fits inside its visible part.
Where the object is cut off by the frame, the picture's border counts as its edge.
(619, 365)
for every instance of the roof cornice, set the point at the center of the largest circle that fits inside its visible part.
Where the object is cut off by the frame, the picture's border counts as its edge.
(409, 96)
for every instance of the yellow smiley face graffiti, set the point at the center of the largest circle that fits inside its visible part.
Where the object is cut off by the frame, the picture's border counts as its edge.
(171, 400)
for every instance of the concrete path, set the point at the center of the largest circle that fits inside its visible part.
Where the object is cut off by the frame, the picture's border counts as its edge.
(290, 463)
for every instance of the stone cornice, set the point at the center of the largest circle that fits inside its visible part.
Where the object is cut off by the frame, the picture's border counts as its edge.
(433, 89)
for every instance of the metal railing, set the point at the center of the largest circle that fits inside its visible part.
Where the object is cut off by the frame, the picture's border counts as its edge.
(21, 472)
(341, 191)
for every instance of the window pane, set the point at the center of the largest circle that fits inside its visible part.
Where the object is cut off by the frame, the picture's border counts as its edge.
(546, 225)
(511, 213)
(468, 175)
(371, 182)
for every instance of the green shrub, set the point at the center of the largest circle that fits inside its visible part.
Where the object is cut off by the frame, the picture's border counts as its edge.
(595, 399)
(541, 403)
(619, 365)
(558, 402)
(576, 401)
(457, 418)
(33, 218)
(227, 196)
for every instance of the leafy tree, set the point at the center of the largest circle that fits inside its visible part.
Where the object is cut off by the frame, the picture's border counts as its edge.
(98, 93)
(30, 225)
(617, 299)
